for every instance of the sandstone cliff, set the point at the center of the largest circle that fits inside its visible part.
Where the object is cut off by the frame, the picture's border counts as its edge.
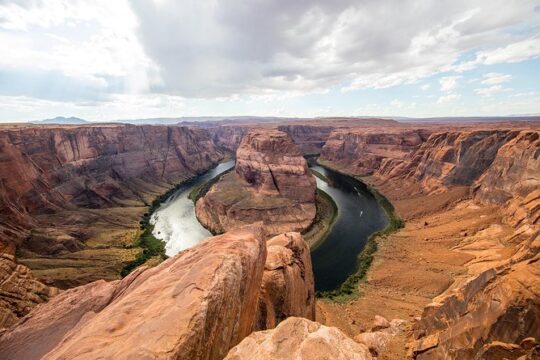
(271, 183)
(287, 287)
(309, 138)
(491, 307)
(366, 151)
(196, 305)
(71, 199)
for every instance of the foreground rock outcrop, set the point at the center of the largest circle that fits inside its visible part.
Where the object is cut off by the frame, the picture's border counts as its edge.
(20, 291)
(299, 339)
(287, 287)
(271, 183)
(196, 305)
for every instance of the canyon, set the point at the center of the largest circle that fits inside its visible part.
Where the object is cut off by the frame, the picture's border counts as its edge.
(461, 280)
(72, 198)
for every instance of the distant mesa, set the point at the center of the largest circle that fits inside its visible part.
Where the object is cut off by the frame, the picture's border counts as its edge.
(61, 120)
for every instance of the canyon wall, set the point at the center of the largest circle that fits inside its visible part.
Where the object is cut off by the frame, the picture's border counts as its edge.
(271, 183)
(493, 308)
(48, 169)
(71, 199)
(367, 151)
(309, 138)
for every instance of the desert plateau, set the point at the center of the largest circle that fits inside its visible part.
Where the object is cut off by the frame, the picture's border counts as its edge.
(269, 180)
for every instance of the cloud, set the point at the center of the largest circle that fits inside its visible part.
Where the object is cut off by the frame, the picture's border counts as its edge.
(90, 45)
(449, 83)
(214, 49)
(448, 98)
(425, 87)
(490, 91)
(496, 78)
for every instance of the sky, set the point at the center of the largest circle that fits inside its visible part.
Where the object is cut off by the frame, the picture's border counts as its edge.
(106, 60)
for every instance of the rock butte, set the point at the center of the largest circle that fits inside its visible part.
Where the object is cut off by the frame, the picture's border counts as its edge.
(464, 272)
(271, 182)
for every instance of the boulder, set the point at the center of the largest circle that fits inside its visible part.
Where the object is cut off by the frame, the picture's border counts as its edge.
(299, 339)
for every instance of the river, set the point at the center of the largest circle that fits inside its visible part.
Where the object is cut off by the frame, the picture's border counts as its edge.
(359, 216)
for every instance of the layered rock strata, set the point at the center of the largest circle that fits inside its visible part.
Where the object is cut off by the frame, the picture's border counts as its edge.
(71, 198)
(196, 305)
(271, 183)
(309, 138)
(287, 287)
(367, 151)
(299, 339)
(490, 305)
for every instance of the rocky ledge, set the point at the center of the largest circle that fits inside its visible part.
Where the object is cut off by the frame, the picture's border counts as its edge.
(271, 183)
(196, 305)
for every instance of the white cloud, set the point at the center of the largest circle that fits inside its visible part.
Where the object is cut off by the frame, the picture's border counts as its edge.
(449, 83)
(448, 98)
(253, 53)
(240, 46)
(496, 78)
(491, 90)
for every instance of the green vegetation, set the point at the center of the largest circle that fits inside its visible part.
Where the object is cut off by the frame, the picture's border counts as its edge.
(349, 289)
(150, 245)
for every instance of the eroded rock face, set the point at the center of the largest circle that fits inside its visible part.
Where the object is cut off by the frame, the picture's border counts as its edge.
(271, 163)
(196, 305)
(287, 287)
(61, 186)
(472, 318)
(496, 306)
(19, 291)
(271, 183)
(367, 151)
(48, 169)
(457, 158)
(309, 138)
(299, 339)
(514, 176)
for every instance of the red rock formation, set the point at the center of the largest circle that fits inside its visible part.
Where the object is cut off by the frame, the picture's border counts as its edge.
(473, 318)
(196, 305)
(48, 169)
(366, 151)
(514, 176)
(52, 177)
(456, 158)
(19, 290)
(495, 310)
(309, 138)
(287, 286)
(228, 136)
(299, 339)
(271, 183)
